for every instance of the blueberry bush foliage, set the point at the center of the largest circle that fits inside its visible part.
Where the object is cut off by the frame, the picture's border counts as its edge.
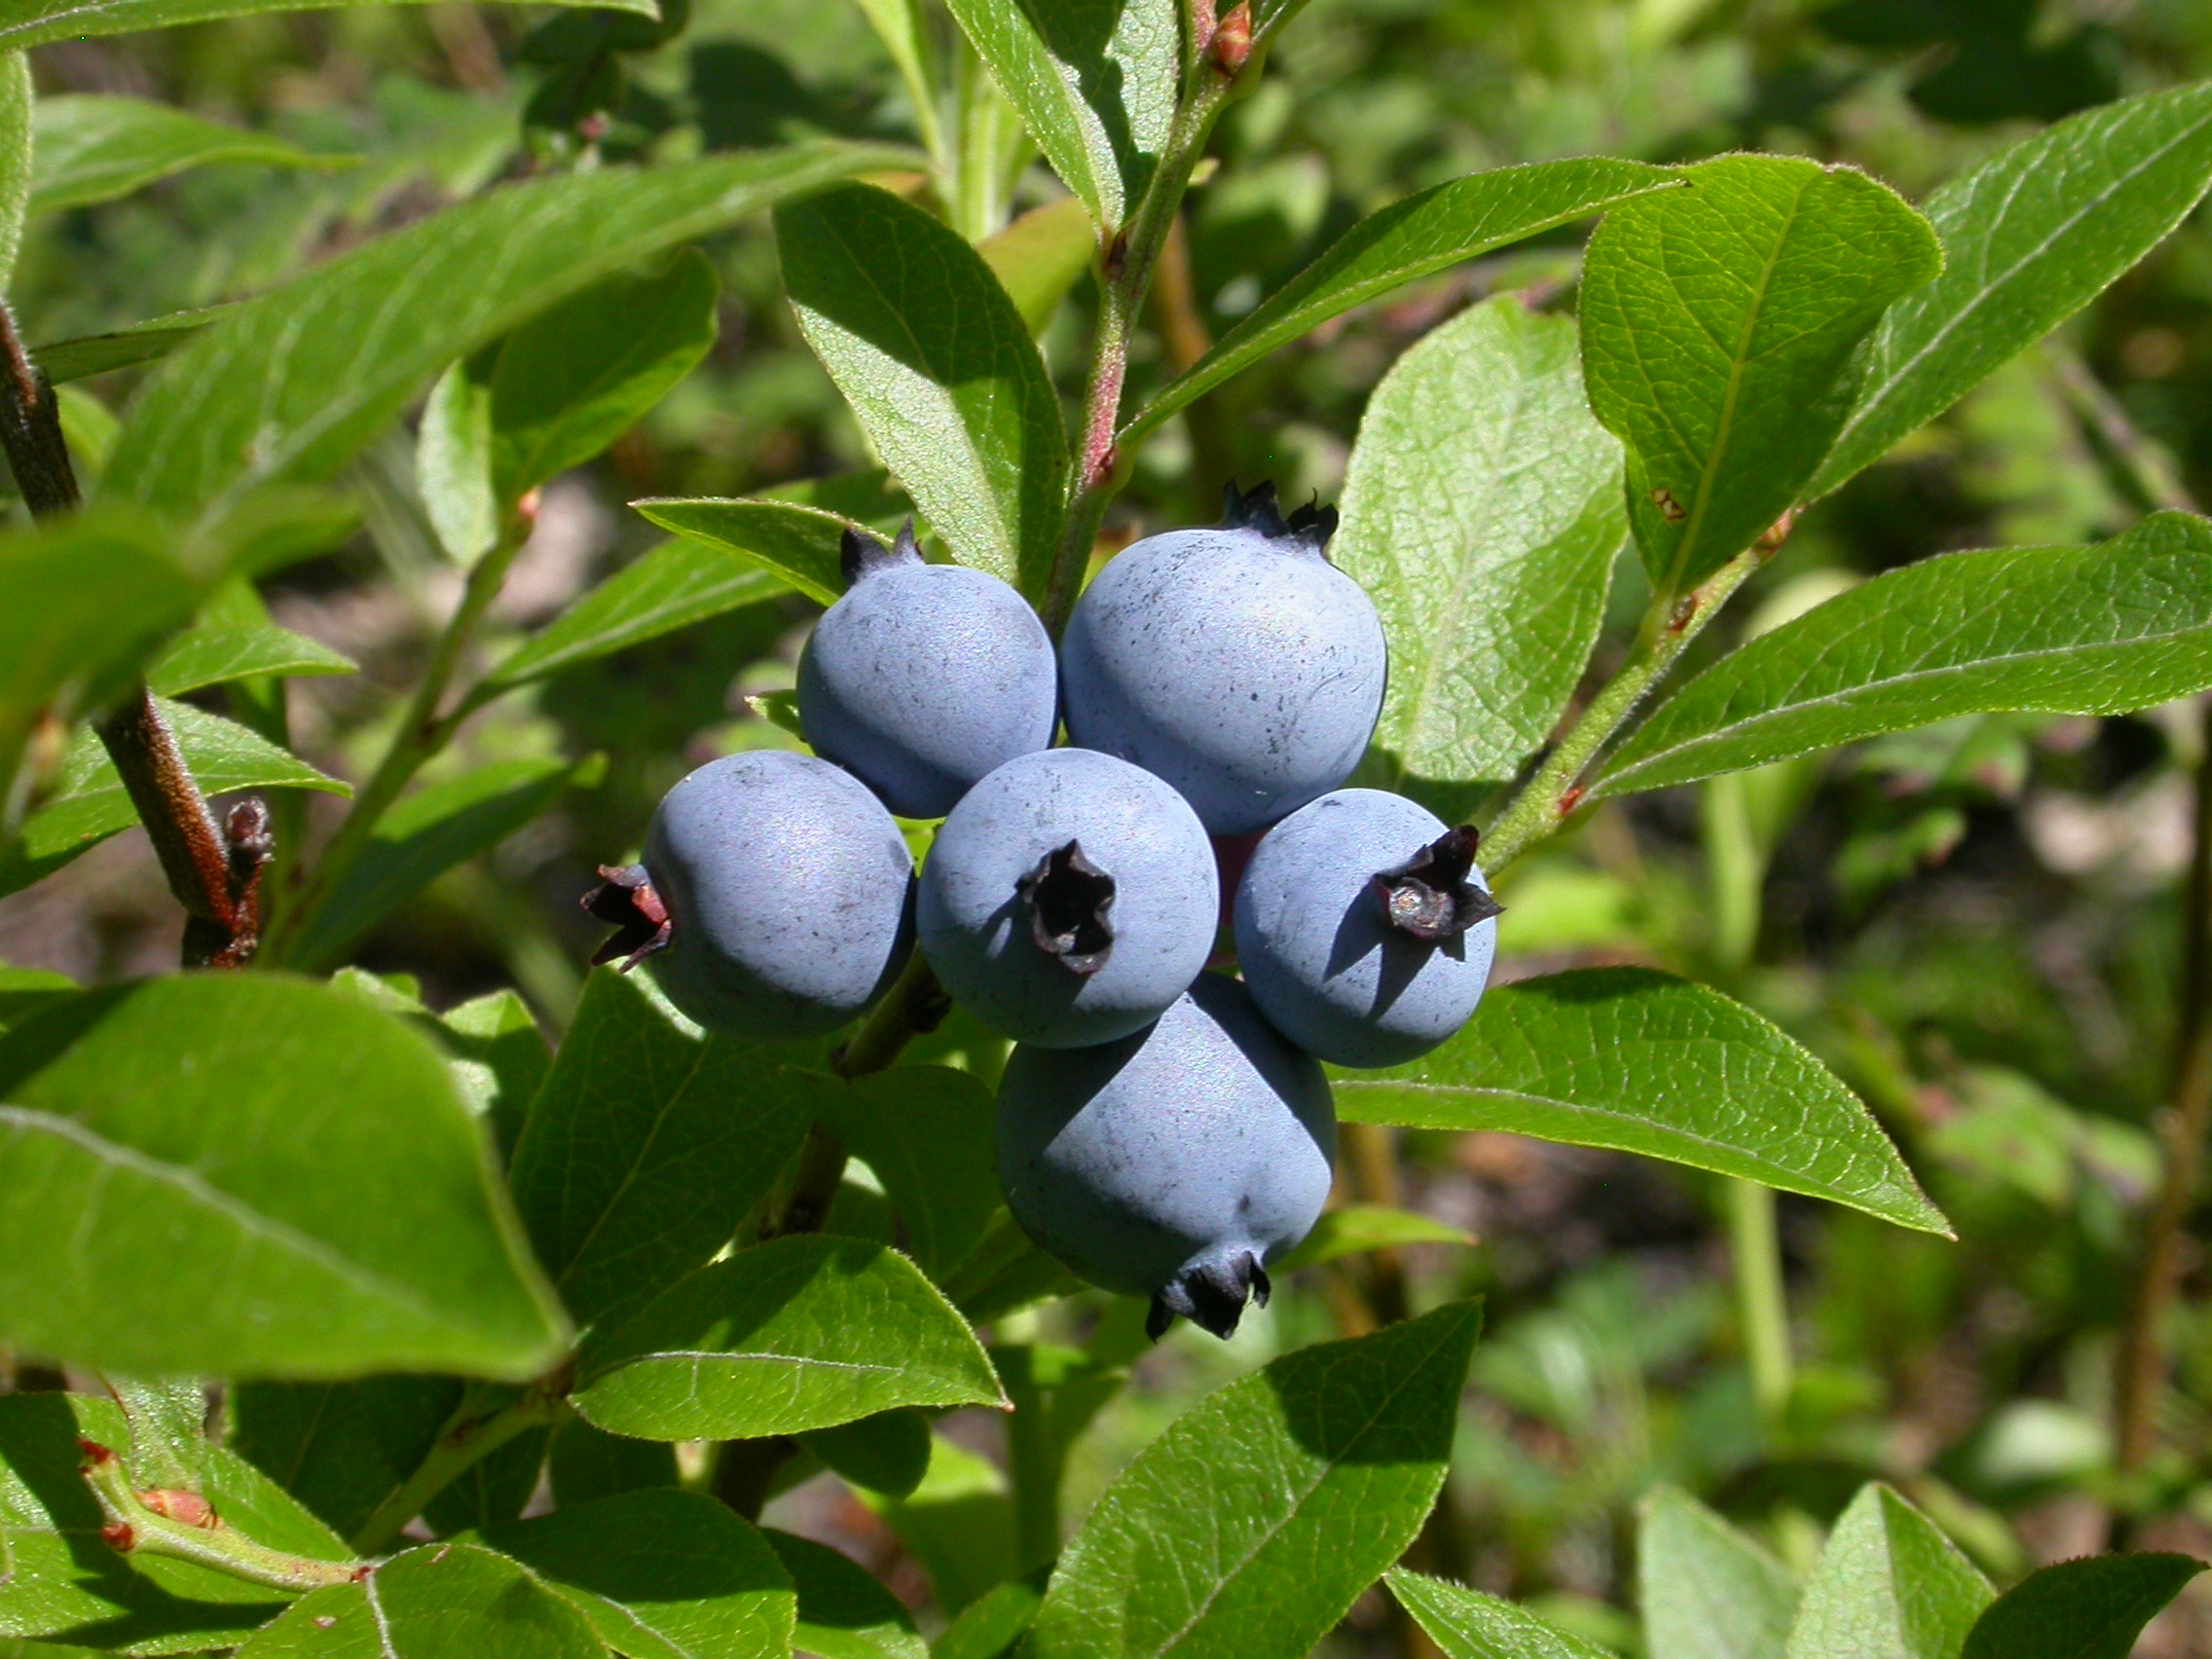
(338, 1323)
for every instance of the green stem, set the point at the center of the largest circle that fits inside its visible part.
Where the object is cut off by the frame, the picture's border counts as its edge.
(1757, 1246)
(1549, 798)
(466, 1441)
(423, 732)
(1124, 280)
(186, 1527)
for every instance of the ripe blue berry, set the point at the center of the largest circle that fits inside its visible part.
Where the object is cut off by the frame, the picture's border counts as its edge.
(1174, 1163)
(923, 678)
(1069, 899)
(776, 891)
(1238, 663)
(1363, 928)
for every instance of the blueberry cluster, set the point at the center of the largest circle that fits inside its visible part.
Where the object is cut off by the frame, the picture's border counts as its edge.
(1162, 1131)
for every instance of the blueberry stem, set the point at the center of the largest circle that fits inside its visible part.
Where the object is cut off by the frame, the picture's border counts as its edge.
(1549, 798)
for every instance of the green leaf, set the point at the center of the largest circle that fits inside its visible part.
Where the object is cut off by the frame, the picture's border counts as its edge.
(183, 1191)
(990, 1627)
(1250, 1527)
(427, 833)
(939, 369)
(843, 1612)
(1096, 87)
(436, 1602)
(1492, 596)
(289, 385)
(341, 1448)
(453, 461)
(24, 991)
(676, 584)
(1467, 1624)
(499, 1059)
(1707, 1590)
(2031, 236)
(926, 1132)
(19, 159)
(1888, 1586)
(93, 148)
(589, 1464)
(1425, 233)
(888, 1453)
(217, 654)
(2093, 1608)
(800, 1333)
(1040, 256)
(645, 1149)
(67, 1584)
(581, 373)
(1640, 1061)
(1718, 331)
(799, 545)
(2068, 630)
(494, 1489)
(660, 1574)
(87, 602)
(145, 342)
(89, 803)
(957, 1523)
(1357, 1229)
(34, 23)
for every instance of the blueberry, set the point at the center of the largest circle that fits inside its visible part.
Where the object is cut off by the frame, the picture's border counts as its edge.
(1069, 899)
(1174, 1163)
(776, 891)
(1364, 929)
(1238, 663)
(923, 678)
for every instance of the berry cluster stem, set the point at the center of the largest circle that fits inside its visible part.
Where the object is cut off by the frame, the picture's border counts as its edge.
(1549, 798)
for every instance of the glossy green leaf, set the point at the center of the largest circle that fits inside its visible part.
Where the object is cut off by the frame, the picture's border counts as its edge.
(888, 1453)
(86, 602)
(800, 1333)
(1640, 1061)
(436, 1602)
(1482, 512)
(1707, 1592)
(499, 1059)
(1467, 1624)
(341, 1448)
(1357, 1229)
(1427, 232)
(1250, 1527)
(645, 1149)
(145, 342)
(2068, 630)
(66, 1584)
(289, 385)
(992, 1626)
(799, 545)
(217, 654)
(1042, 255)
(19, 158)
(427, 833)
(2031, 236)
(1888, 1586)
(453, 461)
(843, 1611)
(2092, 1608)
(676, 584)
(578, 375)
(34, 23)
(1718, 329)
(183, 1191)
(926, 1132)
(939, 369)
(90, 147)
(1095, 86)
(89, 803)
(660, 1574)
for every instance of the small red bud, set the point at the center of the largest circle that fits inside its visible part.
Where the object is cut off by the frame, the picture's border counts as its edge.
(186, 1507)
(1569, 800)
(118, 1536)
(95, 1452)
(1232, 45)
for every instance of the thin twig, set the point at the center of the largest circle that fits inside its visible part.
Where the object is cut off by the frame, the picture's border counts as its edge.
(214, 876)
